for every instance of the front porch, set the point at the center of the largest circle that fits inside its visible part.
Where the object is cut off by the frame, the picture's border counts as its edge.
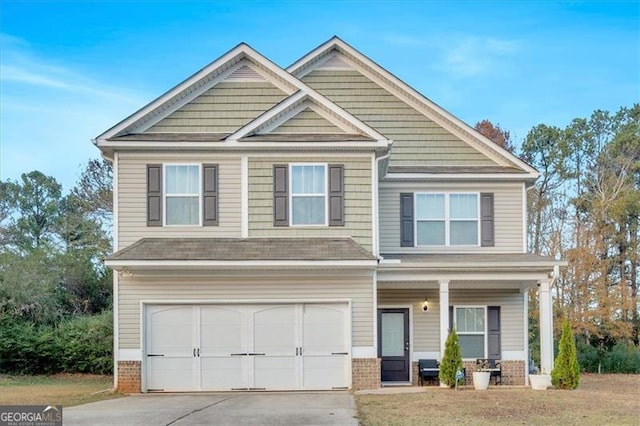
(485, 297)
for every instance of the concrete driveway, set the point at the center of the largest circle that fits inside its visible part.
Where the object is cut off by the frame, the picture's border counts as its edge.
(281, 408)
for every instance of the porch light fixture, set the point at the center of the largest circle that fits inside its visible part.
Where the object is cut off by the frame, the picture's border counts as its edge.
(425, 305)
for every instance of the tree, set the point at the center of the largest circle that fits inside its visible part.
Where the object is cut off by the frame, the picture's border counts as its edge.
(93, 191)
(451, 360)
(32, 205)
(566, 371)
(494, 132)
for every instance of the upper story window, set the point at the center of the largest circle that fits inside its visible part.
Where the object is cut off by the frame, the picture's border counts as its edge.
(182, 194)
(308, 194)
(444, 219)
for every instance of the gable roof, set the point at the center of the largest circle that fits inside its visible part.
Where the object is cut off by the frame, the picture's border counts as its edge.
(233, 63)
(324, 55)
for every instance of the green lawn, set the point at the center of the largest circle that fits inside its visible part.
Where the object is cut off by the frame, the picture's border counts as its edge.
(60, 389)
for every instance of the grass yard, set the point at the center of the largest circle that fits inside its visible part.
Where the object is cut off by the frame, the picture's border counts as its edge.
(64, 389)
(608, 399)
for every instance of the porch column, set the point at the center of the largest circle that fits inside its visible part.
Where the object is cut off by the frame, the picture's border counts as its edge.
(546, 326)
(444, 314)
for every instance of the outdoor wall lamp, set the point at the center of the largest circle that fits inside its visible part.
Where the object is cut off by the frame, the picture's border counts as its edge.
(425, 305)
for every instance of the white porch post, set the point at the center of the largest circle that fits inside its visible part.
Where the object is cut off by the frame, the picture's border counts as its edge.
(546, 326)
(444, 313)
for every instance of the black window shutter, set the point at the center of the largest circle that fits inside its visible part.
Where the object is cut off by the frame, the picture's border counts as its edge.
(336, 195)
(493, 329)
(450, 318)
(280, 195)
(406, 219)
(154, 194)
(210, 194)
(486, 220)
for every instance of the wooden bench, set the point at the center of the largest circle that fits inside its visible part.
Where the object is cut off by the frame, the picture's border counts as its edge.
(493, 366)
(428, 369)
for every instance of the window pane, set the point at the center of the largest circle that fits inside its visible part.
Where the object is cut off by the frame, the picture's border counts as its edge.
(183, 211)
(430, 206)
(463, 206)
(463, 232)
(182, 180)
(431, 233)
(472, 346)
(392, 334)
(308, 210)
(470, 319)
(307, 179)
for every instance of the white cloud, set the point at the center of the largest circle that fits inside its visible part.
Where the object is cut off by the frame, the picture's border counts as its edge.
(472, 56)
(50, 110)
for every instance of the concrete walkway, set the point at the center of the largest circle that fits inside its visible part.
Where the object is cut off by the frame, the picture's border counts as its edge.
(268, 408)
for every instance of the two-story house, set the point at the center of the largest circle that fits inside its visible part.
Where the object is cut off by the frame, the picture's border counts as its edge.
(321, 226)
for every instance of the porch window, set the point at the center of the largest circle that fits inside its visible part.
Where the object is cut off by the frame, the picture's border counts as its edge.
(470, 324)
(444, 219)
(308, 194)
(182, 194)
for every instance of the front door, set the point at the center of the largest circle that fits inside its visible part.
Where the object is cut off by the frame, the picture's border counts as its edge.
(393, 344)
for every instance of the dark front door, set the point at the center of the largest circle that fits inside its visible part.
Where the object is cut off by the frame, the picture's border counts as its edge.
(393, 344)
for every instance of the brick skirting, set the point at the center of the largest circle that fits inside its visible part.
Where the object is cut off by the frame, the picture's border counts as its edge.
(365, 373)
(129, 376)
(512, 373)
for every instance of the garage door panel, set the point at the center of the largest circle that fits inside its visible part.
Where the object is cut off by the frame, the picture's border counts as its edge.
(224, 373)
(274, 330)
(170, 374)
(322, 372)
(324, 329)
(222, 330)
(275, 372)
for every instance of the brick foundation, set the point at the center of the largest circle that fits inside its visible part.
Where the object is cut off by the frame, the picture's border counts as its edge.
(129, 380)
(365, 373)
(512, 373)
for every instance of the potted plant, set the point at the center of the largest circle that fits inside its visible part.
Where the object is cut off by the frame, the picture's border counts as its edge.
(540, 381)
(482, 375)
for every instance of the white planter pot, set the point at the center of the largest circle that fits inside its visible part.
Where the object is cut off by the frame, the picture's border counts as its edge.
(481, 380)
(540, 381)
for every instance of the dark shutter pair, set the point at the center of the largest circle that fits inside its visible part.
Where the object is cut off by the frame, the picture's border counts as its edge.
(209, 194)
(493, 331)
(281, 195)
(407, 220)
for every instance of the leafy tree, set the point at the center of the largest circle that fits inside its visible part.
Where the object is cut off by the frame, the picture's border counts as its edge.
(93, 192)
(32, 205)
(451, 360)
(494, 132)
(566, 371)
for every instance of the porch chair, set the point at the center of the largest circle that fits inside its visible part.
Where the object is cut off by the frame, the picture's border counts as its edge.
(428, 369)
(493, 366)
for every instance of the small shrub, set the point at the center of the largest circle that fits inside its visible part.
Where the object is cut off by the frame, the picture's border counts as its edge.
(623, 358)
(566, 372)
(451, 360)
(588, 358)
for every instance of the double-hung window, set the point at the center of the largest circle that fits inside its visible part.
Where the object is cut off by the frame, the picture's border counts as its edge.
(470, 324)
(446, 219)
(182, 194)
(308, 194)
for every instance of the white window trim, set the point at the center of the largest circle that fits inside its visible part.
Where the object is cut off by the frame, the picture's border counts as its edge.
(326, 195)
(165, 196)
(447, 219)
(473, 333)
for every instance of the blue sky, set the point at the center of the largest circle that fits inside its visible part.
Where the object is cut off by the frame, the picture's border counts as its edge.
(69, 70)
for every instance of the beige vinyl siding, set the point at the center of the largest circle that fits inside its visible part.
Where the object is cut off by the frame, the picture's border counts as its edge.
(417, 140)
(426, 325)
(357, 200)
(344, 285)
(222, 109)
(132, 197)
(307, 121)
(508, 215)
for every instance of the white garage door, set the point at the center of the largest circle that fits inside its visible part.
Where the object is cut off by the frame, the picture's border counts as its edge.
(240, 347)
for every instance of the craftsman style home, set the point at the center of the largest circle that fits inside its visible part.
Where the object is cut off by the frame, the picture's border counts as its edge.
(321, 226)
